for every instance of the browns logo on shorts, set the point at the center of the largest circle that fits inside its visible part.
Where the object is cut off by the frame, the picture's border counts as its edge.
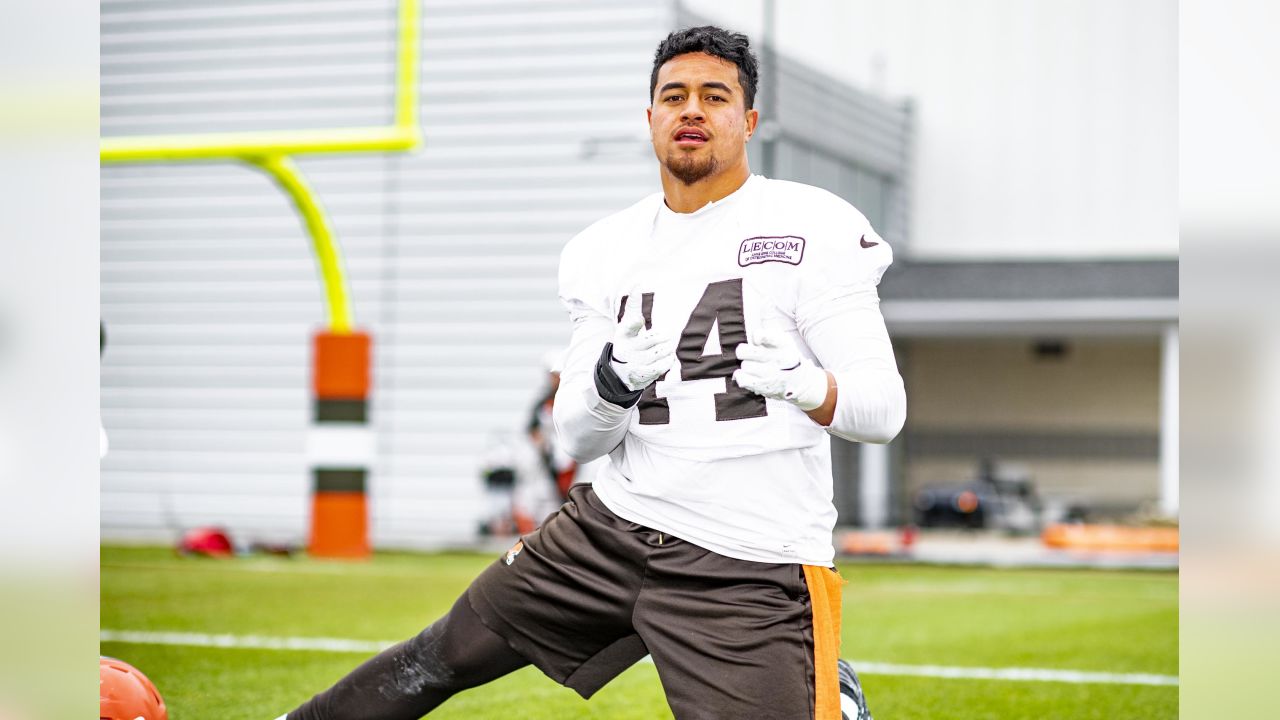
(514, 551)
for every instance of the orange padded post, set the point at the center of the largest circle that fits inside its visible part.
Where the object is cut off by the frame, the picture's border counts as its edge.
(339, 525)
(340, 448)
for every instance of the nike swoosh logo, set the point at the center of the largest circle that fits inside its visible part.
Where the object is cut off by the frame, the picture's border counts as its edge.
(863, 242)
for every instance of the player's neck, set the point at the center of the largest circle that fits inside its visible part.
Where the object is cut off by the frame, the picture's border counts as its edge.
(684, 198)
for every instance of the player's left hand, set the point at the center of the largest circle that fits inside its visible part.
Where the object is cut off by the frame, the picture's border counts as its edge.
(773, 367)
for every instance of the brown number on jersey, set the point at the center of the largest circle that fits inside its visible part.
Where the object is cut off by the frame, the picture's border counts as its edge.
(721, 308)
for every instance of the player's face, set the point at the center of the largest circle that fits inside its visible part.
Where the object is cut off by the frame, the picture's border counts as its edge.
(698, 122)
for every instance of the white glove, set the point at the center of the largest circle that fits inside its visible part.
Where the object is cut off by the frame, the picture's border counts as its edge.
(773, 367)
(639, 356)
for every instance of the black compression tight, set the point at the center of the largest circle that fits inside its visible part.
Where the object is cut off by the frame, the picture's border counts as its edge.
(409, 679)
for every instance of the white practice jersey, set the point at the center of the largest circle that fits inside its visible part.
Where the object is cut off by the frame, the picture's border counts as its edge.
(699, 457)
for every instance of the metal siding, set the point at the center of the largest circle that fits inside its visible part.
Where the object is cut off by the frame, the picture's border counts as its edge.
(849, 142)
(209, 290)
(847, 123)
(838, 137)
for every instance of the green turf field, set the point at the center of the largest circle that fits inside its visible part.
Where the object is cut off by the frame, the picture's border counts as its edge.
(1105, 622)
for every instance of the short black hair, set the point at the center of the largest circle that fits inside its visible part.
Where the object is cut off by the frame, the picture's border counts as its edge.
(714, 41)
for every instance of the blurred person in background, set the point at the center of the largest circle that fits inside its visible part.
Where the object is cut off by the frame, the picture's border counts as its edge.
(500, 471)
(721, 328)
(560, 467)
(527, 481)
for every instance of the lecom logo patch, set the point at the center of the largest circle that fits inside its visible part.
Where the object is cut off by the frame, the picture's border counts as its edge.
(784, 249)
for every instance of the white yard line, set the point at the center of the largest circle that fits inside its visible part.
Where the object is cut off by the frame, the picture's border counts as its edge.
(255, 642)
(864, 667)
(1016, 674)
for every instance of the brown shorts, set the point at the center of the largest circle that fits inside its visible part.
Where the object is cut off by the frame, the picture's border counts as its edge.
(589, 594)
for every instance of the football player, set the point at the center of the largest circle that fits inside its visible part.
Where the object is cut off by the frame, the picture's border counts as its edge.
(722, 328)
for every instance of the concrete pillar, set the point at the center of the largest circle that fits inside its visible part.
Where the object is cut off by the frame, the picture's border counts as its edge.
(873, 484)
(1169, 421)
(1259, 487)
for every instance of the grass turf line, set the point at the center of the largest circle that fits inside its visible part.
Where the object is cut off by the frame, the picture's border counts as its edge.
(1081, 620)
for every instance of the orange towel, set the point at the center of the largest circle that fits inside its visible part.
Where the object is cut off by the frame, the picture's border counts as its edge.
(824, 593)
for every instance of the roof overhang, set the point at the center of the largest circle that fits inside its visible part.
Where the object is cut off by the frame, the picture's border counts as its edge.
(1028, 317)
(1037, 298)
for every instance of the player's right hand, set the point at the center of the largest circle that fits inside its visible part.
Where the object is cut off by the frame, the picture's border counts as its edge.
(640, 356)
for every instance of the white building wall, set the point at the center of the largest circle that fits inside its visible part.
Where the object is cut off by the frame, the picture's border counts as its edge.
(533, 117)
(1043, 129)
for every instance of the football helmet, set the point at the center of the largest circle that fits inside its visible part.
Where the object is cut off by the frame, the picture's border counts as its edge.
(124, 693)
(853, 703)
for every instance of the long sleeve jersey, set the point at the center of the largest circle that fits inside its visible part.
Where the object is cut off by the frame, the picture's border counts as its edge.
(699, 457)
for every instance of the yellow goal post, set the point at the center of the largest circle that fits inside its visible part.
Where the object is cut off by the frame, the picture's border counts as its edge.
(273, 152)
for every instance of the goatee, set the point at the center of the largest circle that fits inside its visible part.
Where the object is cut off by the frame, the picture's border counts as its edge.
(690, 170)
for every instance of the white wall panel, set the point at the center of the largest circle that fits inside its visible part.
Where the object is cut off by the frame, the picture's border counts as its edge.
(533, 123)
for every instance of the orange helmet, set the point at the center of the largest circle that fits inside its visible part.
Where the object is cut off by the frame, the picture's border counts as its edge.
(124, 693)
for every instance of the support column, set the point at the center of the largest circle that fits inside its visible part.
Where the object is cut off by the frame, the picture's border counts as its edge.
(873, 484)
(1169, 421)
(340, 446)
